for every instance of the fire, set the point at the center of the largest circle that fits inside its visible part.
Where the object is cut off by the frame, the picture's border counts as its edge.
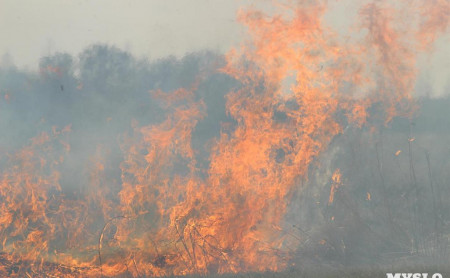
(336, 178)
(167, 215)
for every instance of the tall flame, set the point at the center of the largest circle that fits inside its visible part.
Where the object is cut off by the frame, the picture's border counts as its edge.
(301, 84)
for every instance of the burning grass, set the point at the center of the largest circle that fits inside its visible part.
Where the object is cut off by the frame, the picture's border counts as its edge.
(265, 177)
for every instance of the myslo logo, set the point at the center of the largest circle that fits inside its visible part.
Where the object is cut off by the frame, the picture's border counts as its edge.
(413, 275)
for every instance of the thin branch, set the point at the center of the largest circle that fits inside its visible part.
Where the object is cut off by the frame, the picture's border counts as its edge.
(101, 239)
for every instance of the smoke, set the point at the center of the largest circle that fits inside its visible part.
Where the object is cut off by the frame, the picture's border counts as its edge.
(99, 94)
(297, 148)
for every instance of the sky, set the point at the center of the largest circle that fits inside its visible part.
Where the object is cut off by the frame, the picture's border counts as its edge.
(155, 28)
(151, 28)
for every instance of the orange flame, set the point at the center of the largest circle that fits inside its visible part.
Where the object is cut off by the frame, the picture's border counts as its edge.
(171, 217)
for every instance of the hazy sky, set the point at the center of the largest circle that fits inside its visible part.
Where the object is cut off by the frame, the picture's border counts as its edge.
(154, 28)
(30, 29)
